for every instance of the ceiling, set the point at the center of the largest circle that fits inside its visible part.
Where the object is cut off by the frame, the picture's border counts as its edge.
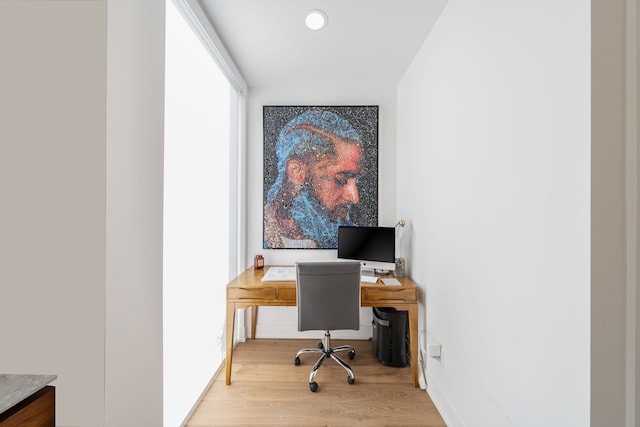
(365, 42)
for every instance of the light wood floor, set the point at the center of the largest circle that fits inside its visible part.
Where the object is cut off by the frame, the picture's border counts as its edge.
(268, 389)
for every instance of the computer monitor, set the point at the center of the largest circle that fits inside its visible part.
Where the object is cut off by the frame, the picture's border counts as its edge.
(374, 247)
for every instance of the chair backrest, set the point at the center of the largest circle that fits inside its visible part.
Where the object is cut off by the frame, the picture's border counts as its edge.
(328, 295)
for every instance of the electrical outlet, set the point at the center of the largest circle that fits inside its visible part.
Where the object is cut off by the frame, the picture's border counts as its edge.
(434, 351)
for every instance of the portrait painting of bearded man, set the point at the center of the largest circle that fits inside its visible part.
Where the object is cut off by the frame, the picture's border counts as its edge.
(320, 172)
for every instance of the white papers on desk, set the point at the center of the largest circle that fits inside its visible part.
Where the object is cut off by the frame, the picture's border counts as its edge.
(280, 274)
(391, 282)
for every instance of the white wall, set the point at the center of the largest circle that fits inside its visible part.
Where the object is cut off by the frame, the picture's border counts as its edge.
(493, 122)
(282, 321)
(52, 192)
(134, 155)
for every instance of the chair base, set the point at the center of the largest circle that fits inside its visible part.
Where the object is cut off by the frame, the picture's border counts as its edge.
(326, 351)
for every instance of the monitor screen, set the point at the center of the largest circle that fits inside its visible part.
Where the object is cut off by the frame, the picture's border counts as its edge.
(375, 247)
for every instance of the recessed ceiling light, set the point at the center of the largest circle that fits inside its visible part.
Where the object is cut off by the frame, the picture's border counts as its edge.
(316, 19)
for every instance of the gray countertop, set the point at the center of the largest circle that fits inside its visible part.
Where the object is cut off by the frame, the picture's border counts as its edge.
(15, 388)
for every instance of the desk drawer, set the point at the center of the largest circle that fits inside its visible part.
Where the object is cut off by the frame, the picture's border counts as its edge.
(287, 294)
(251, 293)
(388, 293)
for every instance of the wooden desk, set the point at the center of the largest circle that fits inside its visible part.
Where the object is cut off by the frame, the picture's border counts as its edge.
(248, 291)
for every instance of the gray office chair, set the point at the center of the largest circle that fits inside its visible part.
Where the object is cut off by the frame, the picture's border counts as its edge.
(328, 298)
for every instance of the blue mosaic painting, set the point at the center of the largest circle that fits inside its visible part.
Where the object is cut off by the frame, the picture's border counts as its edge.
(320, 172)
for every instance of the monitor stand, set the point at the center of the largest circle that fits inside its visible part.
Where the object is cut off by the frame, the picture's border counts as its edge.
(368, 271)
(375, 272)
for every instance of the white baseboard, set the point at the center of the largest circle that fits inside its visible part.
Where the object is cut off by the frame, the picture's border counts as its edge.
(204, 392)
(442, 404)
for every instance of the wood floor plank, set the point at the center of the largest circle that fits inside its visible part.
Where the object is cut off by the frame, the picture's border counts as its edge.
(268, 389)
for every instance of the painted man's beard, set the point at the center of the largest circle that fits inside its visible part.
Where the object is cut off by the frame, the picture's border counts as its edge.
(340, 211)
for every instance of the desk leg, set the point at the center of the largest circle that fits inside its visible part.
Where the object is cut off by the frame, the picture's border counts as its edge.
(231, 326)
(413, 342)
(253, 313)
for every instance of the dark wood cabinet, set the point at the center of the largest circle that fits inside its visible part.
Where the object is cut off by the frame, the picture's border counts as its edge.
(37, 410)
(27, 401)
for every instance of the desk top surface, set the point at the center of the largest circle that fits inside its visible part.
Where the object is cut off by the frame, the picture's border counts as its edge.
(253, 277)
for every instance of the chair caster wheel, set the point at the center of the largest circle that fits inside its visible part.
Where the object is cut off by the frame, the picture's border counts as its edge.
(352, 354)
(313, 386)
(320, 346)
(351, 380)
(297, 361)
